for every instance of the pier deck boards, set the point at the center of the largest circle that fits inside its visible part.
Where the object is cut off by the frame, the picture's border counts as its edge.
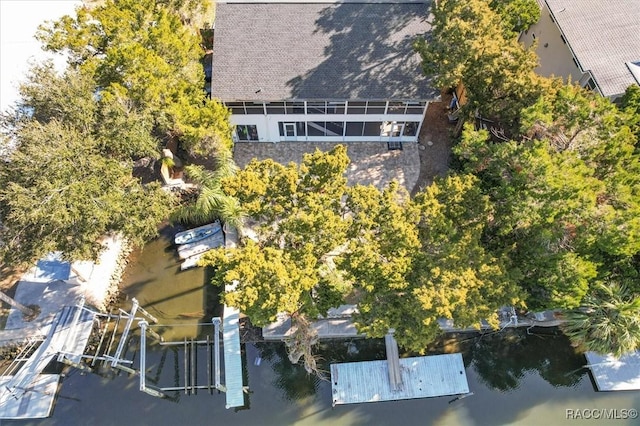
(612, 374)
(422, 377)
(35, 403)
(232, 358)
(69, 335)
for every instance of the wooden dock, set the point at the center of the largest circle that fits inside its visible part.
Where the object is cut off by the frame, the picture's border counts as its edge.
(25, 393)
(422, 377)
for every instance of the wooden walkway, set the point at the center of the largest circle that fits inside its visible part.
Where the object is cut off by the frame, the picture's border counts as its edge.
(422, 377)
(231, 342)
(67, 338)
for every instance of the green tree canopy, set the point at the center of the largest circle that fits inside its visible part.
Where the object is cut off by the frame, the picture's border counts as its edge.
(608, 321)
(474, 45)
(142, 53)
(59, 193)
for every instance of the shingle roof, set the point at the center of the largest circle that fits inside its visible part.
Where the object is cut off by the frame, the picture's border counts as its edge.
(604, 36)
(318, 51)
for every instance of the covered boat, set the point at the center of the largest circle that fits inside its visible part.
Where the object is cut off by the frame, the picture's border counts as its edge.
(187, 250)
(197, 234)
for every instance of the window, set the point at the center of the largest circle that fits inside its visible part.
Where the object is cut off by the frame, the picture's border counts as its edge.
(334, 128)
(254, 107)
(376, 107)
(335, 108)
(316, 128)
(236, 107)
(294, 107)
(410, 128)
(396, 108)
(372, 128)
(354, 128)
(299, 128)
(356, 107)
(415, 107)
(247, 132)
(275, 107)
(316, 108)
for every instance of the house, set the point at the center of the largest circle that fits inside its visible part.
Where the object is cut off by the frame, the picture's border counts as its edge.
(595, 42)
(323, 71)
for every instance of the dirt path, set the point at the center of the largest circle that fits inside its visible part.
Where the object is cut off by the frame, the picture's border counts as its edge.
(435, 144)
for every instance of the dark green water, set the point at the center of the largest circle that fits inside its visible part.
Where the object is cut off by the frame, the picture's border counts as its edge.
(516, 378)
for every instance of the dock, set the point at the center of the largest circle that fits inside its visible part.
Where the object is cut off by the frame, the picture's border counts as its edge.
(231, 340)
(28, 393)
(422, 377)
(615, 374)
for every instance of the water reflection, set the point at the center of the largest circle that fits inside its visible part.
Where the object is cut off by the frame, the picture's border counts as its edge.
(503, 359)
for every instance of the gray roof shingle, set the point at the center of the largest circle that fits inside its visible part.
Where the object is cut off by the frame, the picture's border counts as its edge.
(604, 36)
(319, 51)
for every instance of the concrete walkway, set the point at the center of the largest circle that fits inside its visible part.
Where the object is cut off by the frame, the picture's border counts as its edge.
(87, 279)
(371, 162)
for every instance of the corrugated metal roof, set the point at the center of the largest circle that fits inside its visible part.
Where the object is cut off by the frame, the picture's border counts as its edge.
(422, 377)
(232, 357)
(615, 374)
(277, 51)
(604, 36)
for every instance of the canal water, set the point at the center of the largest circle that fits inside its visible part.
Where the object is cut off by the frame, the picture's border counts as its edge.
(517, 378)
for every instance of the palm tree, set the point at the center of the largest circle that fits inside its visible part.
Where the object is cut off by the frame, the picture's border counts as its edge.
(210, 201)
(609, 321)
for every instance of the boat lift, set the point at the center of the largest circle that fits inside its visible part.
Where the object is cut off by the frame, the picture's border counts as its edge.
(190, 356)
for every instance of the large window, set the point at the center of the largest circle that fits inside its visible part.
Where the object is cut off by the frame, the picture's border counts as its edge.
(316, 107)
(247, 132)
(275, 107)
(254, 107)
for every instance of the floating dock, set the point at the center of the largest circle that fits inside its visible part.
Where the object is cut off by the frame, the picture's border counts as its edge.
(615, 374)
(29, 394)
(422, 377)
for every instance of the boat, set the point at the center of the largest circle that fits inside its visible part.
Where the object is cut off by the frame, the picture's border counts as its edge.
(191, 262)
(185, 251)
(197, 234)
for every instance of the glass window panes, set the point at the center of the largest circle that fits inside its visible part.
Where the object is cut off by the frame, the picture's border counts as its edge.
(254, 107)
(372, 128)
(376, 107)
(235, 107)
(275, 107)
(294, 107)
(281, 128)
(335, 107)
(354, 128)
(301, 128)
(316, 108)
(415, 107)
(410, 128)
(316, 128)
(356, 107)
(247, 132)
(334, 128)
(396, 107)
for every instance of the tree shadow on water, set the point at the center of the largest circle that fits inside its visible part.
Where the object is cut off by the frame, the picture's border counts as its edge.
(502, 360)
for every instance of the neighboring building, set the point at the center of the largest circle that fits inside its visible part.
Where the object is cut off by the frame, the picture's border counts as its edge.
(325, 71)
(596, 42)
